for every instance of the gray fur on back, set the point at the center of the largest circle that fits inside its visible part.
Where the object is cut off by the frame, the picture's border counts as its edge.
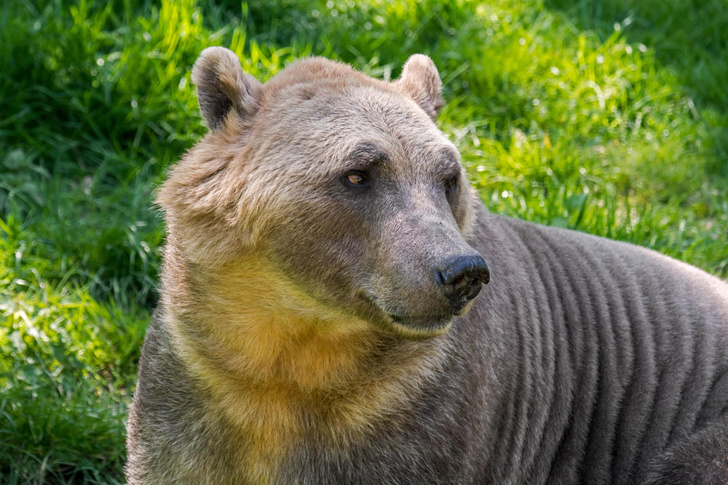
(613, 353)
(583, 361)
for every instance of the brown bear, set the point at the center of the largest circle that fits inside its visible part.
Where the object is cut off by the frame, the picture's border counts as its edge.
(324, 320)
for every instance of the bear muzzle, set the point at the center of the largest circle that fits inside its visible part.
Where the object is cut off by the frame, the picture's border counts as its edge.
(456, 282)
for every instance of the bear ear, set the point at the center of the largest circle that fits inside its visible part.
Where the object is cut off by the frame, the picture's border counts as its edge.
(222, 87)
(421, 82)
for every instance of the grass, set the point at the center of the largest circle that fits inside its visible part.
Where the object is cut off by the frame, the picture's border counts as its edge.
(606, 117)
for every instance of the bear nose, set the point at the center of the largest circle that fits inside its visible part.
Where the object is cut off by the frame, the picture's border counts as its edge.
(460, 279)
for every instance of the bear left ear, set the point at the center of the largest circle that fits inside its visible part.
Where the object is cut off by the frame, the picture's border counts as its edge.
(421, 82)
(222, 87)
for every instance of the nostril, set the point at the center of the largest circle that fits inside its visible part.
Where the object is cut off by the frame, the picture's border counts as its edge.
(440, 278)
(483, 276)
(459, 281)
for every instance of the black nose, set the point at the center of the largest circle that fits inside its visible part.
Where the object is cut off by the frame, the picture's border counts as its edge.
(461, 277)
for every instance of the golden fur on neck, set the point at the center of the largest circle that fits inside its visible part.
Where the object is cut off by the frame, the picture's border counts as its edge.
(276, 361)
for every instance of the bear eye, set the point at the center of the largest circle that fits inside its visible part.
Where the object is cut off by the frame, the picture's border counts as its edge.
(451, 184)
(355, 179)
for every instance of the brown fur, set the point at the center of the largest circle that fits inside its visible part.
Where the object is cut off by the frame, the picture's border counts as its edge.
(277, 351)
(302, 338)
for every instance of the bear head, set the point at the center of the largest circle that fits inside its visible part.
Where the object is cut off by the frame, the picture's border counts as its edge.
(341, 183)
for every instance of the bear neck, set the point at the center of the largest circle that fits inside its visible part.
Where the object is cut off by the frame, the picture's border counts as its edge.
(277, 364)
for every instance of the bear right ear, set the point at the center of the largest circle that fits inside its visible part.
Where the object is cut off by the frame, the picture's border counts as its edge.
(222, 87)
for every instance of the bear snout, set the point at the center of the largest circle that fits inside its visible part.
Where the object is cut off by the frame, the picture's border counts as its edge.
(460, 279)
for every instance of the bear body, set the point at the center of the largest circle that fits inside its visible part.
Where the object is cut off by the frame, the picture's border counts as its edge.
(324, 319)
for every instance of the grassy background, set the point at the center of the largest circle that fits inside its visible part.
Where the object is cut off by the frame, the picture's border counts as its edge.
(609, 117)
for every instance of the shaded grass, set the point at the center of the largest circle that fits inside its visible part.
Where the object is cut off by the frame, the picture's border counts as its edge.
(561, 117)
(66, 374)
(688, 38)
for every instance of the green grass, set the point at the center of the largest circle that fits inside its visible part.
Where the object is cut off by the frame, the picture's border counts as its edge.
(610, 118)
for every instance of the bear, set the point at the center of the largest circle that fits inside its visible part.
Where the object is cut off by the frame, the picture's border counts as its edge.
(337, 307)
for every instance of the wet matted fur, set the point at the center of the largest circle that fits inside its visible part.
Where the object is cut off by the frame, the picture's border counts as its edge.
(301, 336)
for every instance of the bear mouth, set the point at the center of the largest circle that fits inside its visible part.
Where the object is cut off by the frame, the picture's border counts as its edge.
(413, 327)
(422, 326)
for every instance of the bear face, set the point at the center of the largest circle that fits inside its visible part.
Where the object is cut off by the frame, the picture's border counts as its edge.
(340, 184)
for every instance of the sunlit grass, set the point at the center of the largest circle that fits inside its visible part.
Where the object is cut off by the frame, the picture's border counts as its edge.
(610, 118)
